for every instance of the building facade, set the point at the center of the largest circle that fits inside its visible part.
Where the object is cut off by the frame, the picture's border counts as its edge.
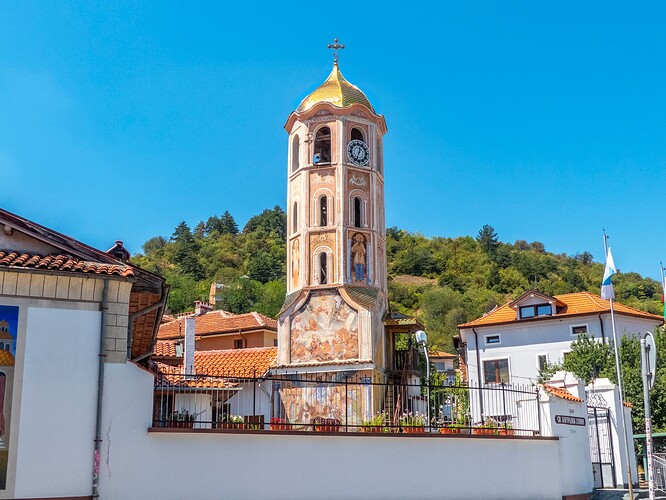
(336, 265)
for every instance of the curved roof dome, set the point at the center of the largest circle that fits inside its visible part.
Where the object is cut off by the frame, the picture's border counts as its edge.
(337, 91)
(6, 358)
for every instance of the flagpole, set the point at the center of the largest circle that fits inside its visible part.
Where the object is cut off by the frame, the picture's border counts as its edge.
(663, 290)
(618, 371)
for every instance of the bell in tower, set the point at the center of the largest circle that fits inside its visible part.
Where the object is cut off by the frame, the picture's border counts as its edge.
(331, 320)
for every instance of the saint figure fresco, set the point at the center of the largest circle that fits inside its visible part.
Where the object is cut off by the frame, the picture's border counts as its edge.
(358, 251)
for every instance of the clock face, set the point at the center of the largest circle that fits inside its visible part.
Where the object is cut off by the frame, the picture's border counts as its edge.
(358, 152)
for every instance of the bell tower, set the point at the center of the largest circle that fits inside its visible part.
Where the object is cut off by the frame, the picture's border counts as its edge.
(336, 257)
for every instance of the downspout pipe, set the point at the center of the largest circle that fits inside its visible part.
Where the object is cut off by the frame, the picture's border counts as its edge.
(478, 371)
(603, 335)
(104, 306)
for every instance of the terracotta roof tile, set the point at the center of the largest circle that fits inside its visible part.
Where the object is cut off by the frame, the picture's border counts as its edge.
(575, 304)
(61, 262)
(561, 392)
(229, 363)
(442, 354)
(165, 348)
(216, 322)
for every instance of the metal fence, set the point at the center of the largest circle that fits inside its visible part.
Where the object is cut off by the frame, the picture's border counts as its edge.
(343, 403)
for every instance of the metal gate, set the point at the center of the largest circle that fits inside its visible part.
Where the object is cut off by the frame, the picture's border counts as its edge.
(601, 446)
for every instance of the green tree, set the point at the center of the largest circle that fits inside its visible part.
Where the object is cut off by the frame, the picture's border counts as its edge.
(588, 358)
(269, 221)
(488, 239)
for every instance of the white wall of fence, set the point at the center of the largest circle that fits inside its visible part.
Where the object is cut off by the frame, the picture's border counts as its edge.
(185, 465)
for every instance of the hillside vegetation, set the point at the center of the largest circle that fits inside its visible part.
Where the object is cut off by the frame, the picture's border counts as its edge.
(442, 281)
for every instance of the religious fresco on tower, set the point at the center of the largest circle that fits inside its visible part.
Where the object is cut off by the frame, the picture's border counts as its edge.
(302, 405)
(324, 329)
(8, 332)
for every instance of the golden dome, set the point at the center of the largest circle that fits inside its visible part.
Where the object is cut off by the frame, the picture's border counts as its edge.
(336, 90)
(6, 358)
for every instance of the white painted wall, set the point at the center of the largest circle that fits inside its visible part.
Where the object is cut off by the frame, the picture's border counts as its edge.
(218, 465)
(522, 343)
(55, 424)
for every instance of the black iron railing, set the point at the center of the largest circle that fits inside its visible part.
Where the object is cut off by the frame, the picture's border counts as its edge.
(342, 403)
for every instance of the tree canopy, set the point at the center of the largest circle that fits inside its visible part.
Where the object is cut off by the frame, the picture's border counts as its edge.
(443, 281)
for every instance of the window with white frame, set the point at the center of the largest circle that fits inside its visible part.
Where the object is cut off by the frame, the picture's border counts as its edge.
(577, 330)
(493, 339)
(496, 371)
(535, 310)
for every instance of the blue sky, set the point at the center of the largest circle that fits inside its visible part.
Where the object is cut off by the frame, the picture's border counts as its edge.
(543, 119)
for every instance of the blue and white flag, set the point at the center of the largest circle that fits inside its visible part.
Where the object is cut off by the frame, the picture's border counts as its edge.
(607, 291)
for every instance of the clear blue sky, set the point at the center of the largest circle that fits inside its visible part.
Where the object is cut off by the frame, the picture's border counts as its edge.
(544, 119)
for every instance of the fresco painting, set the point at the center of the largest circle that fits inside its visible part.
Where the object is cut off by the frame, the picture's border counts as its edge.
(324, 329)
(8, 332)
(303, 404)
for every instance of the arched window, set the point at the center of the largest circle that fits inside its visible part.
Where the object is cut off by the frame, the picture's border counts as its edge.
(294, 218)
(357, 212)
(323, 278)
(295, 146)
(322, 146)
(323, 211)
(6, 347)
(357, 134)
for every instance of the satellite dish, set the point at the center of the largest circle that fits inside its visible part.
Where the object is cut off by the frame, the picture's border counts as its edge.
(651, 355)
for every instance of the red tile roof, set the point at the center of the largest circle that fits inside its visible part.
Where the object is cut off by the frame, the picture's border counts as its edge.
(227, 363)
(575, 304)
(61, 262)
(165, 348)
(442, 354)
(561, 392)
(217, 322)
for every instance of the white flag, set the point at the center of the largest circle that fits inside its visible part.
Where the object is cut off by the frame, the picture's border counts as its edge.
(607, 291)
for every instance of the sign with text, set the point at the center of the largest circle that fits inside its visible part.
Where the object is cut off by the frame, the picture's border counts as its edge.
(569, 420)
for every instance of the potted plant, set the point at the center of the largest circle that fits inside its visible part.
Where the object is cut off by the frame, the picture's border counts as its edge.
(375, 424)
(412, 423)
(452, 428)
(279, 424)
(488, 427)
(506, 429)
(229, 421)
(182, 419)
(321, 424)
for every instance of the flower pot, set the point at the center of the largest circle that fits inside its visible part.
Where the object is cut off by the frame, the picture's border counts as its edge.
(416, 429)
(180, 424)
(449, 430)
(326, 424)
(372, 428)
(230, 425)
(484, 431)
(505, 432)
(280, 427)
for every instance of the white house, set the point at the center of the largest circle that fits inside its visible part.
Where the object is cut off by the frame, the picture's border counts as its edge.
(72, 319)
(512, 342)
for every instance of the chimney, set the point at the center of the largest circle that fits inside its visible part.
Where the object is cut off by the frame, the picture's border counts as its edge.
(189, 346)
(201, 307)
(119, 252)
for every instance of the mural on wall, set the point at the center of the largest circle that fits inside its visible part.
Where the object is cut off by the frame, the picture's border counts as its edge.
(359, 261)
(304, 404)
(8, 331)
(324, 329)
(295, 263)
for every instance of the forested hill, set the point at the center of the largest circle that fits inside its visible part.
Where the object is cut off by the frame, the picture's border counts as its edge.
(442, 281)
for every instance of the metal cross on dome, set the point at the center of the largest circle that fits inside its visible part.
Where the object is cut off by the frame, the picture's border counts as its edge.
(335, 46)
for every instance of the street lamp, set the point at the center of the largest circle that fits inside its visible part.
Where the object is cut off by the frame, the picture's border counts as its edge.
(421, 339)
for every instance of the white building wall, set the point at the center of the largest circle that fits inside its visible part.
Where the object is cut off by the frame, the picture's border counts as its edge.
(522, 343)
(54, 416)
(225, 465)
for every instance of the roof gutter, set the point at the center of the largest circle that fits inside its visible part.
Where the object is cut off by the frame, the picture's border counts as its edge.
(478, 371)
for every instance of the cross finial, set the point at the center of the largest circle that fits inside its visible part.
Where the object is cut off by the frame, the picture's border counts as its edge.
(335, 46)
